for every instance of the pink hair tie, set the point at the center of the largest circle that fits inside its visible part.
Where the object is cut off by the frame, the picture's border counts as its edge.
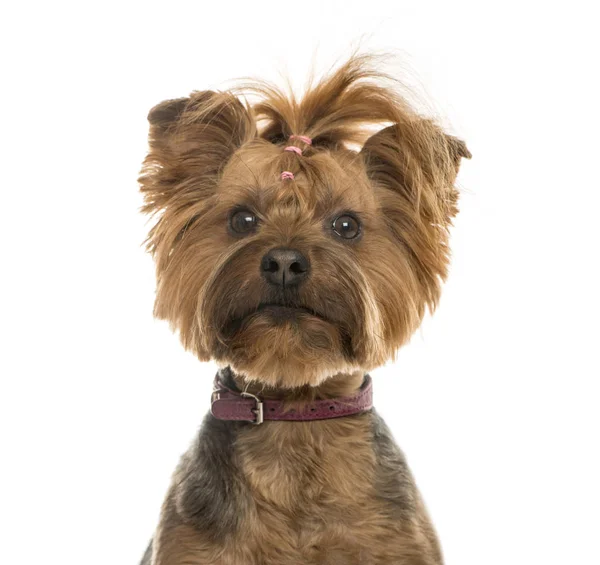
(287, 175)
(304, 138)
(293, 148)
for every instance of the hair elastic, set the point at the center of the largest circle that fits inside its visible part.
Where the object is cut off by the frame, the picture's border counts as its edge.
(287, 175)
(303, 138)
(293, 148)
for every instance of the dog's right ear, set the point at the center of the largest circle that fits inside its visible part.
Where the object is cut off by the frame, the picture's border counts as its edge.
(190, 141)
(214, 119)
(167, 113)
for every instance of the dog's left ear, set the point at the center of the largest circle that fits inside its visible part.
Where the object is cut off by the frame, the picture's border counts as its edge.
(419, 163)
(412, 167)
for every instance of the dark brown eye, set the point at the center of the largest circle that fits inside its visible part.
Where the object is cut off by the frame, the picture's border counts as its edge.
(346, 226)
(243, 221)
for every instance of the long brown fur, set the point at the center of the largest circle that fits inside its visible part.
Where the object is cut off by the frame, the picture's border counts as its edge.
(326, 492)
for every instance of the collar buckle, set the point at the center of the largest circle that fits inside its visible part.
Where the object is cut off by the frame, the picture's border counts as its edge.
(215, 395)
(258, 408)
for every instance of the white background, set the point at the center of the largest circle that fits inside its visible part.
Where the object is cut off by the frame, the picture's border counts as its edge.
(495, 401)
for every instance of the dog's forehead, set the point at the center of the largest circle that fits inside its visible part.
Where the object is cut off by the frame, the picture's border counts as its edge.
(322, 183)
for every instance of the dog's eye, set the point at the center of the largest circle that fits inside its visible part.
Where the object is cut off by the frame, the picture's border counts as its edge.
(346, 226)
(243, 221)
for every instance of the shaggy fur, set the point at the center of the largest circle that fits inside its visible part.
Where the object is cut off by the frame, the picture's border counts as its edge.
(323, 492)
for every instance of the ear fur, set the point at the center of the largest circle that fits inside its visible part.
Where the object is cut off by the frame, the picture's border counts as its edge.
(418, 161)
(167, 112)
(190, 141)
(413, 167)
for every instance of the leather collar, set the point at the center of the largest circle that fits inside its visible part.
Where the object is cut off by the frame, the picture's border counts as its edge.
(229, 403)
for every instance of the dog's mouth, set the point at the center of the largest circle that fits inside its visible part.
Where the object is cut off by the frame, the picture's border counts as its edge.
(276, 311)
(287, 312)
(280, 313)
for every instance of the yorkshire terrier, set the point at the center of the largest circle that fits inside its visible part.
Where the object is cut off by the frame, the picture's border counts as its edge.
(298, 243)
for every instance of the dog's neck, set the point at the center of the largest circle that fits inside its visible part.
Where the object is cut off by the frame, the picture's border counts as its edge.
(339, 385)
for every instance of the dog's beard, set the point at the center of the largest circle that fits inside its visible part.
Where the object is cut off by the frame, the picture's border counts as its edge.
(287, 347)
(299, 336)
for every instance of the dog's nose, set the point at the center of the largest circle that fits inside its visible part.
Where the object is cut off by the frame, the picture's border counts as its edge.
(284, 267)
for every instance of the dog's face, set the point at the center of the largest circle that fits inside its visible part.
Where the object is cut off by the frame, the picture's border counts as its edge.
(293, 280)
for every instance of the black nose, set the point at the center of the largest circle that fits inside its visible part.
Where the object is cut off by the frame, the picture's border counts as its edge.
(284, 267)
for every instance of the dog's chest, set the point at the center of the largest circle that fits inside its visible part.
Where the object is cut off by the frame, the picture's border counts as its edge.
(312, 493)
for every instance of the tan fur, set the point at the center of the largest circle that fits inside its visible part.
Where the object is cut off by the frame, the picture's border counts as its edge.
(321, 508)
(312, 505)
(325, 492)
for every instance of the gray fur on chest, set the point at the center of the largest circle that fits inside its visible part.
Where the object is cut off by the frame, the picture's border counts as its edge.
(394, 482)
(209, 492)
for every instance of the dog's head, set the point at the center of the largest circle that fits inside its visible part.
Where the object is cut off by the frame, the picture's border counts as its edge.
(327, 268)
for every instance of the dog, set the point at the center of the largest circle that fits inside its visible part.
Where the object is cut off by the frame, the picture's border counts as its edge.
(298, 243)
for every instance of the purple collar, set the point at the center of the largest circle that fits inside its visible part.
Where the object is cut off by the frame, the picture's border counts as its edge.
(228, 403)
